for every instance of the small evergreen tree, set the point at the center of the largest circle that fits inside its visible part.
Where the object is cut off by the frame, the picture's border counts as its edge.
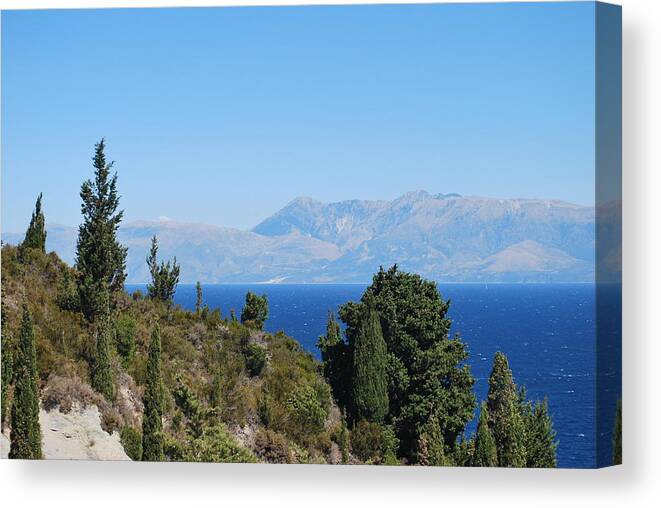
(198, 298)
(484, 454)
(102, 379)
(431, 445)
(617, 435)
(100, 259)
(369, 379)
(7, 365)
(255, 311)
(35, 236)
(152, 418)
(164, 277)
(505, 419)
(540, 437)
(192, 409)
(25, 430)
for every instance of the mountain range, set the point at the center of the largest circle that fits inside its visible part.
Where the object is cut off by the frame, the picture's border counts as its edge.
(445, 237)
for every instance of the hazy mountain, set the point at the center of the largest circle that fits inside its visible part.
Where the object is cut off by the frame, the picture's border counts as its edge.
(444, 237)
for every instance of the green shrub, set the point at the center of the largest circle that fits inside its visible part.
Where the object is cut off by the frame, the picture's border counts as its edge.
(131, 439)
(125, 330)
(306, 410)
(374, 443)
(255, 359)
(272, 447)
(218, 445)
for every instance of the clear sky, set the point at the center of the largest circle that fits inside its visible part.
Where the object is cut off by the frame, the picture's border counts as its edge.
(224, 115)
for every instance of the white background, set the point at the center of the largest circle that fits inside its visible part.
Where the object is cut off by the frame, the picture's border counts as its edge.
(636, 483)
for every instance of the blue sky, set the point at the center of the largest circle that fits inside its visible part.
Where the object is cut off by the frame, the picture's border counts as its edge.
(224, 115)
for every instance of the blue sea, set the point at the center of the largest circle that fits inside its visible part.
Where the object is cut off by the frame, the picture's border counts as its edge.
(546, 330)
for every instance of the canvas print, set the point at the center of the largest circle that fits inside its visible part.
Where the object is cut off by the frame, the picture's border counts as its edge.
(359, 234)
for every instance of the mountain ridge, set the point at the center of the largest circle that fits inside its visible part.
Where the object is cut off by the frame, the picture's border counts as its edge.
(446, 237)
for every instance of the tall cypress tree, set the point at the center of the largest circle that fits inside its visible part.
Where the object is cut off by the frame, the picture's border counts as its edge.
(198, 298)
(334, 353)
(505, 419)
(617, 435)
(7, 365)
(102, 379)
(25, 430)
(485, 446)
(152, 418)
(369, 380)
(540, 437)
(35, 236)
(100, 259)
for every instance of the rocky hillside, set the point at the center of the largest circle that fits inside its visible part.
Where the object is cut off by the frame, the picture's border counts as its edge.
(444, 237)
(231, 393)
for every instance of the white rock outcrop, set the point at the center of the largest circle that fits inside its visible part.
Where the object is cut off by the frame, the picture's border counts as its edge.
(76, 435)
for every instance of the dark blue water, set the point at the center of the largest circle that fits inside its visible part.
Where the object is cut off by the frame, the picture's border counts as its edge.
(547, 331)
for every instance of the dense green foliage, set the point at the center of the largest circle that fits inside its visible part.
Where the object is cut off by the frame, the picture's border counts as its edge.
(164, 276)
(132, 442)
(505, 419)
(431, 446)
(336, 365)
(25, 430)
(100, 259)
(540, 437)
(522, 430)
(102, 377)
(35, 236)
(255, 359)
(7, 365)
(255, 311)
(152, 420)
(369, 370)
(125, 338)
(426, 371)
(374, 444)
(617, 434)
(485, 454)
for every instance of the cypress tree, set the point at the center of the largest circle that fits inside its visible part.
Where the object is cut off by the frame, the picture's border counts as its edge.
(35, 236)
(369, 381)
(334, 352)
(431, 444)
(25, 430)
(152, 418)
(100, 259)
(198, 298)
(505, 419)
(540, 437)
(617, 435)
(7, 365)
(102, 379)
(485, 446)
(164, 277)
